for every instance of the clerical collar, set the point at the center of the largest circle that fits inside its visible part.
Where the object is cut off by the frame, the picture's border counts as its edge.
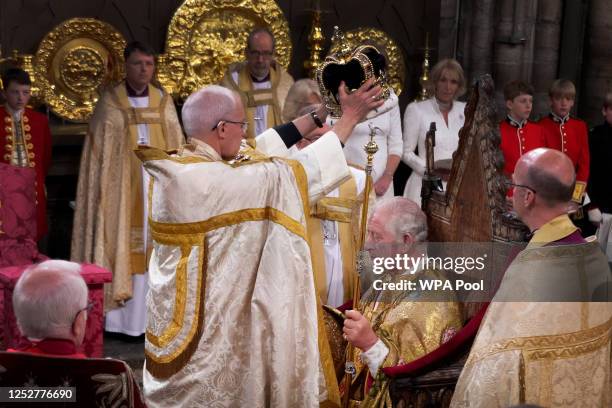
(516, 123)
(554, 230)
(133, 94)
(264, 79)
(558, 119)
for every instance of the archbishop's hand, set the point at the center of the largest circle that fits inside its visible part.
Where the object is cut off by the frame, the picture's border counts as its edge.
(355, 107)
(357, 331)
(360, 102)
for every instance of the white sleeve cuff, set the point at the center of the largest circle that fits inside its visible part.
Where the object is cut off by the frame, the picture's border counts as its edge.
(270, 143)
(324, 164)
(375, 356)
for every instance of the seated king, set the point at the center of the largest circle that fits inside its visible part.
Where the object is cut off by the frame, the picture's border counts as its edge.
(394, 327)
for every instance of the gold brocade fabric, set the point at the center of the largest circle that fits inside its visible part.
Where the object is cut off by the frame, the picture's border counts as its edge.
(108, 220)
(409, 328)
(232, 311)
(552, 354)
(345, 211)
(274, 97)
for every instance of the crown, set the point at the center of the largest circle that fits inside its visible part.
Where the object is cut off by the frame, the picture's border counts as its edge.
(354, 67)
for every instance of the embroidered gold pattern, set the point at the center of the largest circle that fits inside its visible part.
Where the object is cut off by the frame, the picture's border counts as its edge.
(179, 306)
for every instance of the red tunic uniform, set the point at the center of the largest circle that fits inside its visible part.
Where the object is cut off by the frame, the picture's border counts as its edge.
(570, 136)
(36, 139)
(517, 139)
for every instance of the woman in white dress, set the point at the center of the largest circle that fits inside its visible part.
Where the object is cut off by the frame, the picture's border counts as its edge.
(448, 83)
(389, 140)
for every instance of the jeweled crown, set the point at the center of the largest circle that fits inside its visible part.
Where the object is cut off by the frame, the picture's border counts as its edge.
(354, 67)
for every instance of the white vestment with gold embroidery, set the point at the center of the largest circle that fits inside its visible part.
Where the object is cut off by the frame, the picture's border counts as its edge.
(232, 318)
(549, 353)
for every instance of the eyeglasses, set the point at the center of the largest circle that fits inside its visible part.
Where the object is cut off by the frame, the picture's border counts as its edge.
(510, 184)
(243, 125)
(88, 308)
(263, 54)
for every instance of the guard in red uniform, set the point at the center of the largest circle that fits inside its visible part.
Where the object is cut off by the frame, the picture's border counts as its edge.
(25, 138)
(568, 134)
(518, 135)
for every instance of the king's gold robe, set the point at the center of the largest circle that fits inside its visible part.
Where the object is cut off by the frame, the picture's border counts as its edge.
(552, 354)
(232, 316)
(408, 327)
(108, 220)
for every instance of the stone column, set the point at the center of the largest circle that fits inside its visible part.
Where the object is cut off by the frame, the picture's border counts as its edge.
(597, 74)
(546, 52)
(482, 34)
(514, 44)
(447, 40)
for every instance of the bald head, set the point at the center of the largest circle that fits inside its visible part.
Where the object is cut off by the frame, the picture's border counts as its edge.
(549, 172)
(47, 299)
(206, 107)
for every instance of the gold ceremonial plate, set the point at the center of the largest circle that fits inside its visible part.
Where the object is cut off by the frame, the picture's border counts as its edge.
(73, 64)
(396, 67)
(205, 36)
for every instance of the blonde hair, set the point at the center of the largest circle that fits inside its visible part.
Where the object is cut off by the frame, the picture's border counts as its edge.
(297, 98)
(447, 64)
(562, 88)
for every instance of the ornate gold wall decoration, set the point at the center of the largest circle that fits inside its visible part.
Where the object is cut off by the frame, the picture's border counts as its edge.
(316, 39)
(74, 62)
(396, 70)
(205, 36)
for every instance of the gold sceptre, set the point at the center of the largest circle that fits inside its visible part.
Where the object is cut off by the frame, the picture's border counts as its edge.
(349, 369)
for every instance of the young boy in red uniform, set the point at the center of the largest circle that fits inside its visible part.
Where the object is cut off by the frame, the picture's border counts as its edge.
(25, 138)
(518, 135)
(568, 134)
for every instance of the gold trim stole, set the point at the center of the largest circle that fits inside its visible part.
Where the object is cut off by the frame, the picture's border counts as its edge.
(345, 211)
(153, 116)
(252, 98)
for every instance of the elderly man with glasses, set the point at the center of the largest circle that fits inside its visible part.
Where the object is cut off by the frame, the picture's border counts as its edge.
(50, 303)
(232, 308)
(260, 81)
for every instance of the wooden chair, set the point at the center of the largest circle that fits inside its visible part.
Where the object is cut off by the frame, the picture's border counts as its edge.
(471, 210)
